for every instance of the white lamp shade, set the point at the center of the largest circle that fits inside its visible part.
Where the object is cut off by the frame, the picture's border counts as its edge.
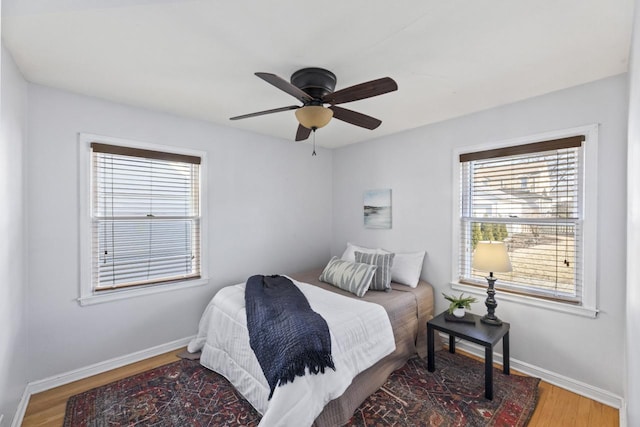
(314, 116)
(492, 257)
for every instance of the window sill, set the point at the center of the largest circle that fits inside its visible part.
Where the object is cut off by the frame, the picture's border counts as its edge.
(107, 296)
(590, 312)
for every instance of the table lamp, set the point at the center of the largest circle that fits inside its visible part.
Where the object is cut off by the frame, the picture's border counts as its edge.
(492, 257)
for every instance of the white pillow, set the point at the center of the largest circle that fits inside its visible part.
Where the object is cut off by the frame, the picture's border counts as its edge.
(349, 254)
(407, 267)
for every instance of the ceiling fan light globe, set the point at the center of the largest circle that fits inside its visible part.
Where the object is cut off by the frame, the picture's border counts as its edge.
(314, 116)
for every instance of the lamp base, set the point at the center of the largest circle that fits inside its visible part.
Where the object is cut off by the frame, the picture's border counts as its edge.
(491, 320)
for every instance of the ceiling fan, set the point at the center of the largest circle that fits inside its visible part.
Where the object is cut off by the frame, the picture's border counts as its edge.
(314, 87)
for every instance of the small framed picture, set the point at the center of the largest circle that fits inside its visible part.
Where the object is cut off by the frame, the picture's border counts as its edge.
(377, 209)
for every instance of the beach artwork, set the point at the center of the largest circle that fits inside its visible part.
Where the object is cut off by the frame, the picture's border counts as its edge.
(377, 208)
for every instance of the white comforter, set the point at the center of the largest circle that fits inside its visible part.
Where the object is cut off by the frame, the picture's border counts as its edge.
(360, 336)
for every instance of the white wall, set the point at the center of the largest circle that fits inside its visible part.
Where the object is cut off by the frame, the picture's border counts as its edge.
(417, 166)
(633, 232)
(269, 212)
(13, 344)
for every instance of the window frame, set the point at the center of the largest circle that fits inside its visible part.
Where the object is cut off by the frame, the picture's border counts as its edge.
(89, 295)
(588, 306)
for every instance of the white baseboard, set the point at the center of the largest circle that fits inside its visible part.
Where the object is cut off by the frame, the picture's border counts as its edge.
(88, 371)
(575, 386)
(623, 414)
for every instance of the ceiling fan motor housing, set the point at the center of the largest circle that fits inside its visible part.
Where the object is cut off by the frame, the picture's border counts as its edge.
(317, 82)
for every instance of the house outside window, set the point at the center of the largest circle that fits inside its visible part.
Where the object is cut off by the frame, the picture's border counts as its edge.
(142, 231)
(542, 194)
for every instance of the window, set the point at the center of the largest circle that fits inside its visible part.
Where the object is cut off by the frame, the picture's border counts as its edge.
(532, 196)
(145, 222)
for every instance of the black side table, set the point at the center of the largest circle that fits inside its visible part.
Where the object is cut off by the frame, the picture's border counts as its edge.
(480, 333)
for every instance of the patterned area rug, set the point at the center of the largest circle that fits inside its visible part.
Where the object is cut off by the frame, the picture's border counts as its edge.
(184, 393)
(453, 395)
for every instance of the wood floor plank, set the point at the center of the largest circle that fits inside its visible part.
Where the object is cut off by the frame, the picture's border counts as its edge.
(565, 406)
(556, 407)
(545, 406)
(611, 415)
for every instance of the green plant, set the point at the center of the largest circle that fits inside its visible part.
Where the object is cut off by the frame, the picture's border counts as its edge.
(459, 302)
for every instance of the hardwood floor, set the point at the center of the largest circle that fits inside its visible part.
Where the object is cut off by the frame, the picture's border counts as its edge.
(559, 407)
(556, 407)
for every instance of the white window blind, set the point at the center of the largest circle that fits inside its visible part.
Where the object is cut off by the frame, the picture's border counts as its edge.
(530, 197)
(145, 213)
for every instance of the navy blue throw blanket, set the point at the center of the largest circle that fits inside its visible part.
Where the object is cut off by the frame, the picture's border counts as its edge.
(285, 334)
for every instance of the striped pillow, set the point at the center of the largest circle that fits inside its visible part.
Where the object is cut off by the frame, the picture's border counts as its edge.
(349, 276)
(382, 279)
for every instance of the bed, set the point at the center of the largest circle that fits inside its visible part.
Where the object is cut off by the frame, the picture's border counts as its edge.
(407, 309)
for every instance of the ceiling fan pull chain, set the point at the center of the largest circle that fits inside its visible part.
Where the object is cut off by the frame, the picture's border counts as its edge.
(314, 143)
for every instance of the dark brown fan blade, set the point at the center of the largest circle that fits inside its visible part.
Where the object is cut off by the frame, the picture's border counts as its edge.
(261, 113)
(302, 133)
(284, 85)
(355, 118)
(361, 91)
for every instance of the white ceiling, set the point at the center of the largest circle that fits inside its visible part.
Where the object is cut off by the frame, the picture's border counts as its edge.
(197, 58)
